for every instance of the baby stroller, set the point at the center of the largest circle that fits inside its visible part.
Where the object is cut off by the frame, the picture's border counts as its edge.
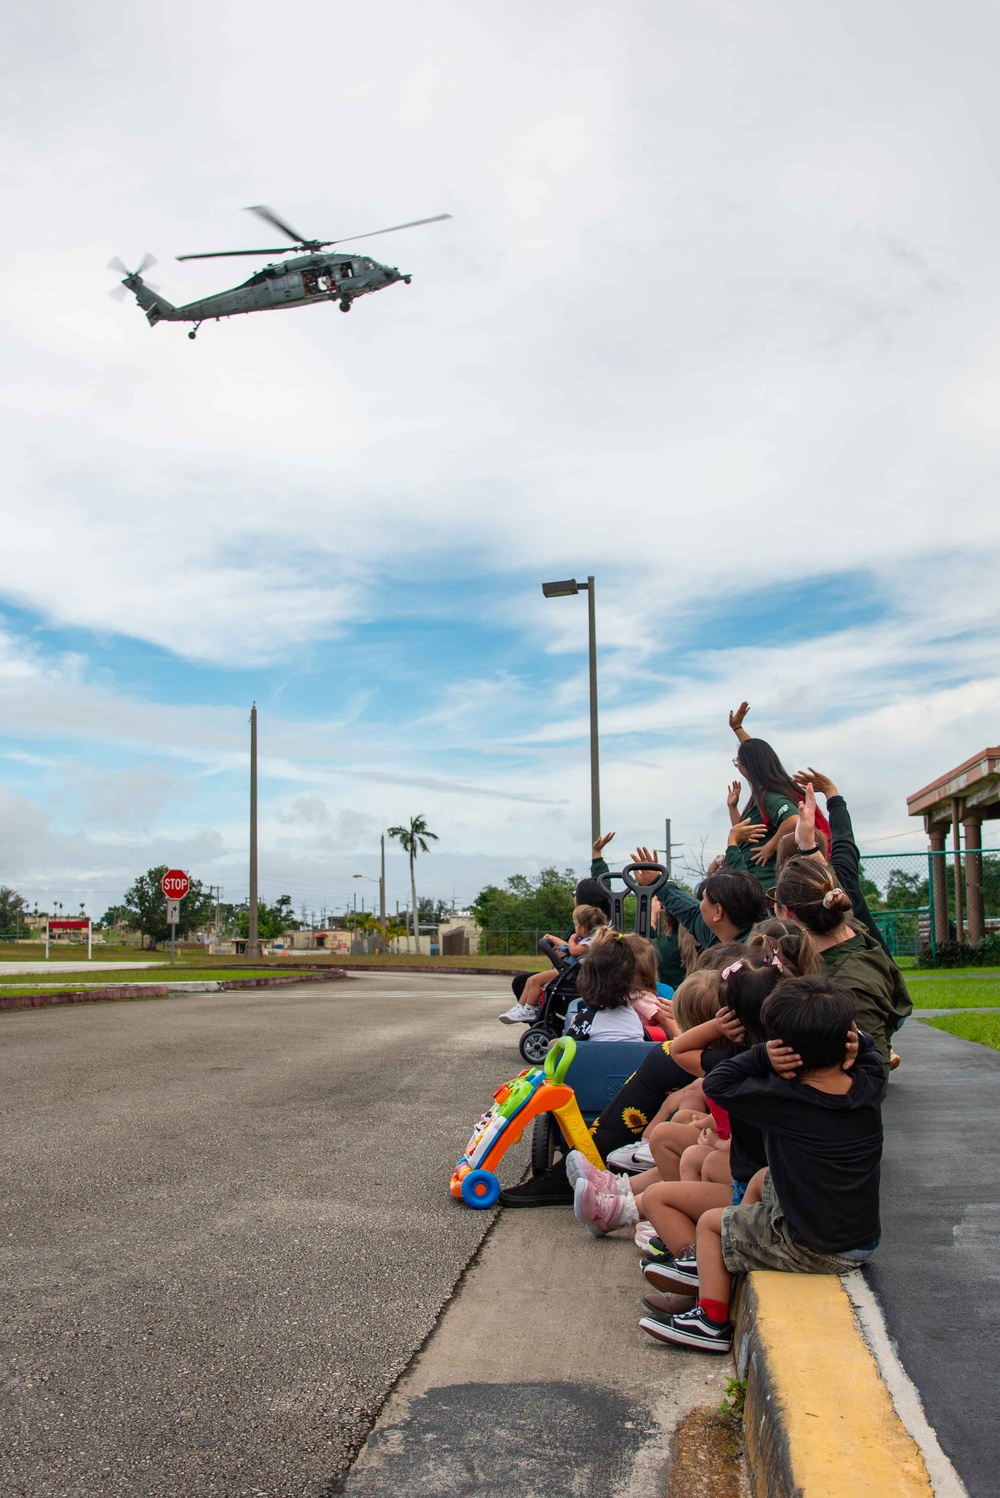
(561, 991)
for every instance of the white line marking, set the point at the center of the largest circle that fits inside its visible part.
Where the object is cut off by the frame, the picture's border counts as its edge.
(902, 1390)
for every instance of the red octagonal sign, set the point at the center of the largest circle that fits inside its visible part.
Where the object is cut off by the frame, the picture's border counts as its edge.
(175, 884)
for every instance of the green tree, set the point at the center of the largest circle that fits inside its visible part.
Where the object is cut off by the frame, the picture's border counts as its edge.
(414, 840)
(272, 920)
(115, 915)
(13, 910)
(524, 905)
(145, 906)
(905, 890)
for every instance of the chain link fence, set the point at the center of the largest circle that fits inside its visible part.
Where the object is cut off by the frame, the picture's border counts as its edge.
(942, 908)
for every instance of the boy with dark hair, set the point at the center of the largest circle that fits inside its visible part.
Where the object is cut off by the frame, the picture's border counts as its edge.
(814, 1090)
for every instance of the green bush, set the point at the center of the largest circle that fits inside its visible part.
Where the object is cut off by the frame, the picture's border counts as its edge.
(960, 954)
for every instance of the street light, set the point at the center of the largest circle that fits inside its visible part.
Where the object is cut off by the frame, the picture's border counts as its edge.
(563, 590)
(381, 885)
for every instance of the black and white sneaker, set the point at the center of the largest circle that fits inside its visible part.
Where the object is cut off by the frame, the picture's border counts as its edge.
(668, 1273)
(690, 1329)
(655, 1249)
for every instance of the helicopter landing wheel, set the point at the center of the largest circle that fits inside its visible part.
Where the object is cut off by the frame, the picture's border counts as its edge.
(192, 335)
(345, 306)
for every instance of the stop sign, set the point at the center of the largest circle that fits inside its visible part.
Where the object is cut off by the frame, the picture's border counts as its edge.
(175, 884)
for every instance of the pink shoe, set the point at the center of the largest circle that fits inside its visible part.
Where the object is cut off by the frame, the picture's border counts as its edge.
(603, 1211)
(579, 1168)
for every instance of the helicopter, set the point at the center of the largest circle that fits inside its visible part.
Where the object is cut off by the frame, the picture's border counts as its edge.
(315, 276)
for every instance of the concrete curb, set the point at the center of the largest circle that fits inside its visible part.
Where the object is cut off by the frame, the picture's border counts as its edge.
(820, 1422)
(124, 991)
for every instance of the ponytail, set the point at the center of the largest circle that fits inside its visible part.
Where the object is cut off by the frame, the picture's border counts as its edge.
(807, 887)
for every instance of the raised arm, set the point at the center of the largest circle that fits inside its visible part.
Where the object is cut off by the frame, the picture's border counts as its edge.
(845, 857)
(687, 1048)
(736, 721)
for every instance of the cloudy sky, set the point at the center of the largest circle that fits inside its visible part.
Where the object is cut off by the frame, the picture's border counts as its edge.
(716, 319)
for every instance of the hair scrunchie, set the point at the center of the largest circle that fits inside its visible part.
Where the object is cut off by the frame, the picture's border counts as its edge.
(733, 967)
(830, 897)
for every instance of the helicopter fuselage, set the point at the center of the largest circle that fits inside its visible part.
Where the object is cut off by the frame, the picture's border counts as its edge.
(299, 282)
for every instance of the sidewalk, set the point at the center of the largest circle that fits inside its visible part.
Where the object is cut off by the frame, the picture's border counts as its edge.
(936, 1276)
(537, 1381)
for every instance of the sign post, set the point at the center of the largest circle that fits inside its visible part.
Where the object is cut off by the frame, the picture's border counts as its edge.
(83, 924)
(175, 885)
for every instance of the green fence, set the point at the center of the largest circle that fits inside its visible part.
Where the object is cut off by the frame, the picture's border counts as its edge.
(944, 905)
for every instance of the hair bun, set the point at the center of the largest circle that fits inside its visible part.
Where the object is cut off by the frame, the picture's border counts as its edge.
(836, 899)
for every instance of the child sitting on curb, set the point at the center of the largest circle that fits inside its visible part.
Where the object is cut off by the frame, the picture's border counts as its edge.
(587, 921)
(814, 1089)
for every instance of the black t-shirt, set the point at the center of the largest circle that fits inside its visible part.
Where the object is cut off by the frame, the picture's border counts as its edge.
(746, 1147)
(824, 1150)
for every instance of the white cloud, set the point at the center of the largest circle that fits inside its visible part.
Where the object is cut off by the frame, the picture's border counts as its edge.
(706, 323)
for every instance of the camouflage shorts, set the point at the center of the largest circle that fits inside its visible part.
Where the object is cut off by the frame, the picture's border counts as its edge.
(758, 1237)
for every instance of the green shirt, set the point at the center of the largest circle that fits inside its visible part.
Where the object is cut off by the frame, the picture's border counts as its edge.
(777, 809)
(881, 1001)
(684, 908)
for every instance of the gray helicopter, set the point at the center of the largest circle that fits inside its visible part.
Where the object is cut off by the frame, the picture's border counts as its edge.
(308, 278)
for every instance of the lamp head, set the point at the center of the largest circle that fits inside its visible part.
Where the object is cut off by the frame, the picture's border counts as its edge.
(561, 589)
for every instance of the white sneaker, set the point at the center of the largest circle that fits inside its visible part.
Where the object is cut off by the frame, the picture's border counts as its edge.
(644, 1231)
(632, 1157)
(519, 1013)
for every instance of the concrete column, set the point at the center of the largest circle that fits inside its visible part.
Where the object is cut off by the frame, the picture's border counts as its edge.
(938, 835)
(972, 835)
(957, 808)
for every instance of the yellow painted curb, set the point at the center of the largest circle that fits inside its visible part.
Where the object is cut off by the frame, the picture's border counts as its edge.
(820, 1422)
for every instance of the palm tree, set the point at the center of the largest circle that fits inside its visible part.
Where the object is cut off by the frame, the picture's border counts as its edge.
(413, 839)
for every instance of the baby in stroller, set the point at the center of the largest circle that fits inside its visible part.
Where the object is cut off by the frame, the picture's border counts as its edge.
(587, 921)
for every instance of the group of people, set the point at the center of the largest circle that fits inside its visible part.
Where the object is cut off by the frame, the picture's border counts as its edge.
(751, 1135)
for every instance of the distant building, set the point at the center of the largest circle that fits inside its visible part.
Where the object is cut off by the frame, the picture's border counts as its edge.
(966, 796)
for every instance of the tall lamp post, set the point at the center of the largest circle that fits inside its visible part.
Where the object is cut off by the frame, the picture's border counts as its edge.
(380, 881)
(563, 590)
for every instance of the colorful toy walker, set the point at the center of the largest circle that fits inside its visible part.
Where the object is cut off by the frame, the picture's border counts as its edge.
(516, 1104)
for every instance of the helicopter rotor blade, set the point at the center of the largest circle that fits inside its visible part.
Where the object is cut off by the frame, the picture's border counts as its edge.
(222, 254)
(413, 224)
(146, 261)
(270, 217)
(118, 293)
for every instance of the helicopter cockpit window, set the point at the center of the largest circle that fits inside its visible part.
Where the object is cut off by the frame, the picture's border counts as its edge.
(347, 269)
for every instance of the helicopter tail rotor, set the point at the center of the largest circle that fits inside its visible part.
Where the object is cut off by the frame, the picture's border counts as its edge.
(118, 293)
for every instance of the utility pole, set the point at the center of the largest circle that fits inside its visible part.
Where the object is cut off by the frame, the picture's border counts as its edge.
(381, 888)
(595, 778)
(253, 945)
(667, 846)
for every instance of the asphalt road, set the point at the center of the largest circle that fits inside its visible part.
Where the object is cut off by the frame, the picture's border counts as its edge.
(936, 1274)
(227, 1227)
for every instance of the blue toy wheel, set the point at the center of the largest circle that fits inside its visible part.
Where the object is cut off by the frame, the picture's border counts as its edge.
(480, 1188)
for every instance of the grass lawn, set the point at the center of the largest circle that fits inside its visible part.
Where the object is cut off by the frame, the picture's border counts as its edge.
(532, 963)
(950, 992)
(983, 1028)
(42, 983)
(197, 957)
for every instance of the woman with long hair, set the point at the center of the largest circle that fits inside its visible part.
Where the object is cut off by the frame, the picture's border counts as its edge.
(771, 810)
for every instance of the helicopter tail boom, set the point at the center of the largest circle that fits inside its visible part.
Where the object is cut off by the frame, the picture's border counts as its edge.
(152, 303)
